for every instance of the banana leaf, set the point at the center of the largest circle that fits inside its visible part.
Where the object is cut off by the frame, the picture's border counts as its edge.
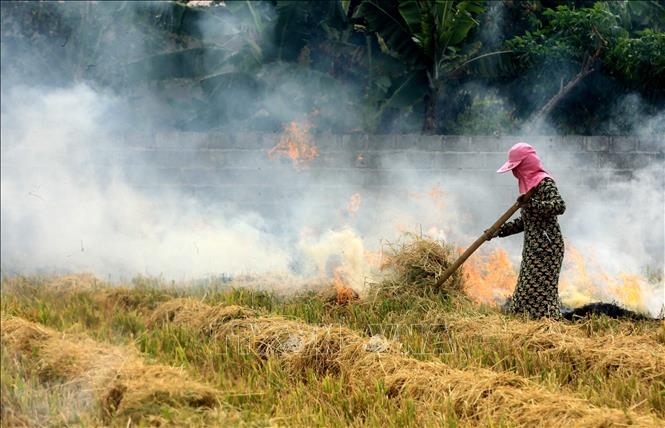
(490, 65)
(406, 91)
(218, 85)
(391, 27)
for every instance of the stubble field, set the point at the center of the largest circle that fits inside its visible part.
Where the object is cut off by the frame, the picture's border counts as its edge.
(77, 351)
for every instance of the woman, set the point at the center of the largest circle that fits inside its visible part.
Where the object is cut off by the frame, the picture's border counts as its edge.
(536, 293)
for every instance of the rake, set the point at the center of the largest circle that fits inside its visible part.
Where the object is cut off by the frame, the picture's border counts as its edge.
(487, 234)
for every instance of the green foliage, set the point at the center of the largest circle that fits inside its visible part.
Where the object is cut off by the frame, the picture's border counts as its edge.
(394, 62)
(440, 27)
(430, 38)
(486, 115)
(424, 35)
(639, 61)
(637, 15)
(594, 42)
(304, 23)
(569, 34)
(385, 20)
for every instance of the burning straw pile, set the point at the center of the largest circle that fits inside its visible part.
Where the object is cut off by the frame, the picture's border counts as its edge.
(417, 264)
(114, 379)
(476, 395)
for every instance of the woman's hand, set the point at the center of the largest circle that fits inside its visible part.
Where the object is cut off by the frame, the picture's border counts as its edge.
(491, 235)
(522, 199)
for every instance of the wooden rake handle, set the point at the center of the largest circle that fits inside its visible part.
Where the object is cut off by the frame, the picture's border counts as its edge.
(482, 238)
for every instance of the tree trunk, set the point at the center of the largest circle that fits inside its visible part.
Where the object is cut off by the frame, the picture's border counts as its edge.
(429, 125)
(545, 110)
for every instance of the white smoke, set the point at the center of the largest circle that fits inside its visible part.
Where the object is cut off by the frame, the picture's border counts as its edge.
(64, 207)
(67, 204)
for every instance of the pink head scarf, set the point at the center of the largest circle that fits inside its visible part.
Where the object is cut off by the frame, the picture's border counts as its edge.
(526, 166)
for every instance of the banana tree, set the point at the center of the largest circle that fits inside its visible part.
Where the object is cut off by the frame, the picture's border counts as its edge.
(432, 38)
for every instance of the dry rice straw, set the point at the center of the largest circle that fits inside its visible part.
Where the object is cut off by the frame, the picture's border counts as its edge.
(115, 378)
(610, 354)
(476, 395)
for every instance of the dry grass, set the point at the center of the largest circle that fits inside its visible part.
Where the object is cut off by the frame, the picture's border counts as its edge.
(73, 283)
(619, 355)
(239, 327)
(127, 299)
(476, 395)
(196, 315)
(417, 264)
(112, 379)
(181, 312)
(57, 285)
(481, 396)
(267, 336)
(473, 367)
(327, 352)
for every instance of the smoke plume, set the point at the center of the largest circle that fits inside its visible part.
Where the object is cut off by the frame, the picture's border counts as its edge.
(71, 203)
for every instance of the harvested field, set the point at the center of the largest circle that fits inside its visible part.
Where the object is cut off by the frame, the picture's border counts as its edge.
(136, 353)
(112, 380)
(477, 395)
(192, 313)
(624, 355)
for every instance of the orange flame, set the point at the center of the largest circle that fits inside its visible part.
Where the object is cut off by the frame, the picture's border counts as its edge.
(434, 195)
(296, 144)
(489, 277)
(374, 259)
(345, 294)
(576, 282)
(354, 204)
(583, 280)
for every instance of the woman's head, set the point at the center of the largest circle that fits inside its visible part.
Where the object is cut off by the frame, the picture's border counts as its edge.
(516, 155)
(525, 166)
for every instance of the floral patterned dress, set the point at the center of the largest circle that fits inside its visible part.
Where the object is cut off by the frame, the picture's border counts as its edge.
(536, 293)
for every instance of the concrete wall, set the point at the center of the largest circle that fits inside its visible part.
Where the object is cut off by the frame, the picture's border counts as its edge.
(198, 161)
(392, 173)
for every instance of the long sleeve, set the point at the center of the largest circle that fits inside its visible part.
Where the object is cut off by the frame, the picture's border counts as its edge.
(511, 227)
(547, 201)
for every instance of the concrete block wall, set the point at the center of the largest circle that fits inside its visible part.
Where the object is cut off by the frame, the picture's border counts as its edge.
(238, 167)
